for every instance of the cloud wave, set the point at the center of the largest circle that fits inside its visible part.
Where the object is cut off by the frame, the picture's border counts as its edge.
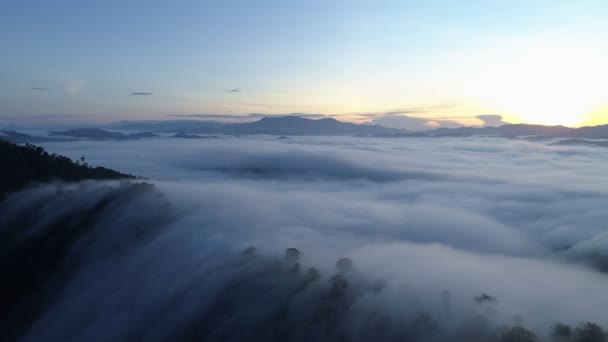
(426, 224)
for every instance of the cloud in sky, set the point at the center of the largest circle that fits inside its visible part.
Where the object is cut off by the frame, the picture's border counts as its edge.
(140, 93)
(414, 123)
(75, 87)
(492, 120)
(38, 88)
(234, 90)
(44, 116)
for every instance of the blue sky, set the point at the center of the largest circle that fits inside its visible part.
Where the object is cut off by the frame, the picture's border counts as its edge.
(81, 61)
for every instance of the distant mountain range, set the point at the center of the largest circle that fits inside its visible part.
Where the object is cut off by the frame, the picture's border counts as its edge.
(294, 125)
(72, 135)
(284, 125)
(522, 130)
(99, 134)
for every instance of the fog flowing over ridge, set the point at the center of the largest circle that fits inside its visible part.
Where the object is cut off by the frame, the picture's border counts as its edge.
(321, 238)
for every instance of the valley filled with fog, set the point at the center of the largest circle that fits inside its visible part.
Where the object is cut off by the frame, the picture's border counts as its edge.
(302, 238)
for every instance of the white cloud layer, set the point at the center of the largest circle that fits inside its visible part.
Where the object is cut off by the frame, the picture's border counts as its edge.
(521, 221)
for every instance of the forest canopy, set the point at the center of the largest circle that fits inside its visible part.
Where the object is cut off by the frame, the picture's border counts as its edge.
(30, 164)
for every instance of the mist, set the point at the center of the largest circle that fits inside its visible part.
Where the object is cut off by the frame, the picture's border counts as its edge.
(322, 238)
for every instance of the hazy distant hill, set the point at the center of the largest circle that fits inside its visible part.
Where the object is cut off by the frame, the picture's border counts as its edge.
(581, 142)
(284, 125)
(171, 126)
(518, 130)
(100, 134)
(19, 138)
(193, 136)
(593, 132)
(72, 135)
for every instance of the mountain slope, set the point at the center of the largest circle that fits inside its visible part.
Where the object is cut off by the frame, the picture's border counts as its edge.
(22, 165)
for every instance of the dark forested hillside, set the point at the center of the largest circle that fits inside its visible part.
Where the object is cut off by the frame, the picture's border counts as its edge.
(29, 261)
(23, 165)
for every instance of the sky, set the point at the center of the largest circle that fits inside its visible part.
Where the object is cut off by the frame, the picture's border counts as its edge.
(102, 61)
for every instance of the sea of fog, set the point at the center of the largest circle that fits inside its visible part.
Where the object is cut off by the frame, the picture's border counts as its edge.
(395, 239)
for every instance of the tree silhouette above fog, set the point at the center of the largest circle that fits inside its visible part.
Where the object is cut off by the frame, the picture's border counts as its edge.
(23, 165)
